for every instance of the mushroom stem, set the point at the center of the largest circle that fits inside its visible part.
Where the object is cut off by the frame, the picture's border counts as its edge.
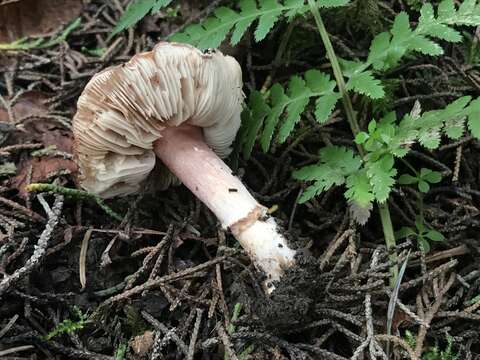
(184, 151)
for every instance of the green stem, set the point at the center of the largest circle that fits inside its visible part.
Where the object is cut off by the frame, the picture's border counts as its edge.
(389, 238)
(337, 72)
(355, 127)
(410, 167)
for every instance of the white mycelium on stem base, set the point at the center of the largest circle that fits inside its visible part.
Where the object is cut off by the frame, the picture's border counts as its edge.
(184, 106)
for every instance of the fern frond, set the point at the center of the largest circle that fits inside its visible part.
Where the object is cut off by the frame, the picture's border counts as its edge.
(252, 121)
(336, 163)
(359, 190)
(428, 128)
(474, 118)
(388, 48)
(291, 102)
(381, 175)
(136, 11)
(332, 3)
(364, 83)
(213, 31)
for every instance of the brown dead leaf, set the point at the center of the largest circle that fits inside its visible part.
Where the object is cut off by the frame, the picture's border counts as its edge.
(42, 131)
(35, 18)
(30, 103)
(142, 344)
(43, 169)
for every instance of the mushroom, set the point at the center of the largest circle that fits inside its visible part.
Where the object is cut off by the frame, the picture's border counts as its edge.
(183, 106)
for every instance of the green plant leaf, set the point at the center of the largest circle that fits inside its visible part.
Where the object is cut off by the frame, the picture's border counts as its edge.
(388, 48)
(359, 189)
(433, 177)
(443, 32)
(322, 86)
(135, 12)
(454, 127)
(253, 121)
(365, 84)
(278, 102)
(378, 49)
(434, 235)
(423, 244)
(406, 179)
(425, 46)
(324, 106)
(419, 224)
(381, 174)
(361, 137)
(423, 186)
(332, 3)
(292, 103)
(405, 232)
(335, 164)
(213, 31)
(474, 118)
(271, 12)
(299, 96)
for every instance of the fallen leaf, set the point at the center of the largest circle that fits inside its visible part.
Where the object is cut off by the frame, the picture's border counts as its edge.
(30, 103)
(35, 18)
(43, 170)
(42, 131)
(142, 344)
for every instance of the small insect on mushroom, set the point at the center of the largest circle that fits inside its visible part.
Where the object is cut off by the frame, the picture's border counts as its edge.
(182, 106)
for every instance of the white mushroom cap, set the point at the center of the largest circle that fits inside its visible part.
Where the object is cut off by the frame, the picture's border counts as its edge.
(123, 110)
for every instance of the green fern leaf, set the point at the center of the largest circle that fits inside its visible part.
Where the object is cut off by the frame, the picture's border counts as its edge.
(467, 7)
(253, 121)
(365, 84)
(160, 4)
(445, 9)
(336, 163)
(443, 32)
(278, 102)
(271, 11)
(320, 85)
(427, 128)
(299, 96)
(454, 127)
(378, 49)
(425, 46)
(293, 102)
(322, 176)
(324, 106)
(388, 48)
(247, 7)
(135, 12)
(359, 189)
(332, 3)
(381, 176)
(213, 31)
(474, 118)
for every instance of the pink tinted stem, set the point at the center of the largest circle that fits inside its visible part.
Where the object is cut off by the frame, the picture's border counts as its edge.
(184, 151)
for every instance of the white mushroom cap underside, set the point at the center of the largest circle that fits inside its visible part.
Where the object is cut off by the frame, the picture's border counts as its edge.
(123, 110)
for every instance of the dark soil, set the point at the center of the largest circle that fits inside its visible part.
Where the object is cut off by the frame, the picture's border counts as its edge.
(163, 283)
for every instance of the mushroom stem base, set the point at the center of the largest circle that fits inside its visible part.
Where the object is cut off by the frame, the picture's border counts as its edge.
(183, 150)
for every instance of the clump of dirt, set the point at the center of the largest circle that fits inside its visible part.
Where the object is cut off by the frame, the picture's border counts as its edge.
(293, 301)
